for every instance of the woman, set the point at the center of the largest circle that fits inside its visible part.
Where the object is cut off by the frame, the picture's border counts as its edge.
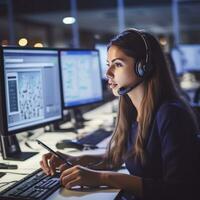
(155, 131)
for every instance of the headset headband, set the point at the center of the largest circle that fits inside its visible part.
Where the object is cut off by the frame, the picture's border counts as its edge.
(142, 35)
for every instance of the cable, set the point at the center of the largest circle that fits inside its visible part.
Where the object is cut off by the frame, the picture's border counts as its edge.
(7, 183)
(15, 173)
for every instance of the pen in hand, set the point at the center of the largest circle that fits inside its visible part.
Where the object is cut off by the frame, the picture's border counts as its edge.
(55, 153)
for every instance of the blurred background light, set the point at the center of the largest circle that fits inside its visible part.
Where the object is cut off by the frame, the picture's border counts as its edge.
(38, 44)
(23, 42)
(69, 20)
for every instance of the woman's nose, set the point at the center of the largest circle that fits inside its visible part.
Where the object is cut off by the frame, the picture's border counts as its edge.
(109, 73)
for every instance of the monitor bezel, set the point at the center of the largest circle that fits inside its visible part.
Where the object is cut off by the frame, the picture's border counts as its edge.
(101, 79)
(4, 124)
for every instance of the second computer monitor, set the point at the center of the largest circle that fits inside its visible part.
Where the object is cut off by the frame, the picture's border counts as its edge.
(186, 58)
(81, 77)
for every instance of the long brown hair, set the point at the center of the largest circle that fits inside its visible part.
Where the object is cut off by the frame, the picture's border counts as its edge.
(159, 87)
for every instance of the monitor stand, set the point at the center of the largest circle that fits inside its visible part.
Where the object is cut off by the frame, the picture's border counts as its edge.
(10, 149)
(76, 119)
(55, 127)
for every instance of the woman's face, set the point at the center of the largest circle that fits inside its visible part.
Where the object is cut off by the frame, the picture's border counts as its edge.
(120, 72)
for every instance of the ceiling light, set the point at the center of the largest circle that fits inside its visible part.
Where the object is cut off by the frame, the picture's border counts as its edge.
(38, 44)
(23, 42)
(69, 20)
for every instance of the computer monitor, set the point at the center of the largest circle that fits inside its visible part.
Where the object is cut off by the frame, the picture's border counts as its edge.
(30, 94)
(186, 58)
(81, 80)
(177, 61)
(103, 58)
(81, 77)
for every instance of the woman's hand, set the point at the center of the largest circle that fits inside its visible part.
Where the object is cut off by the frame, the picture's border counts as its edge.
(79, 175)
(50, 162)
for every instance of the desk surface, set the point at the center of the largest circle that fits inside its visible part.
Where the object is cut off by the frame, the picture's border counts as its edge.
(100, 117)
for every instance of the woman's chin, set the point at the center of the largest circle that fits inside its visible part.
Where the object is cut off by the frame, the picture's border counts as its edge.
(115, 91)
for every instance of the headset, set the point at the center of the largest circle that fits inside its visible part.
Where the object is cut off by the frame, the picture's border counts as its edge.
(142, 67)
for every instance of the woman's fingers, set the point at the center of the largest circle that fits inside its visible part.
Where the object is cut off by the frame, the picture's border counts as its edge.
(44, 162)
(70, 170)
(45, 158)
(73, 182)
(65, 180)
(79, 175)
(49, 163)
(46, 171)
(52, 164)
(63, 167)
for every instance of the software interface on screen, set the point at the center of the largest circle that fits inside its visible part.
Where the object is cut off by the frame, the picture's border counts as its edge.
(81, 77)
(186, 58)
(32, 87)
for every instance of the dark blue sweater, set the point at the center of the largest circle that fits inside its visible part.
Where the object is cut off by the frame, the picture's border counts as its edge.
(171, 167)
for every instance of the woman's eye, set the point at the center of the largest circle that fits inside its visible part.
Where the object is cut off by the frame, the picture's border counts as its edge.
(118, 64)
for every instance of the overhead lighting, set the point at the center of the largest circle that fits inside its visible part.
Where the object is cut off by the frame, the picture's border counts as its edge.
(38, 44)
(23, 42)
(69, 20)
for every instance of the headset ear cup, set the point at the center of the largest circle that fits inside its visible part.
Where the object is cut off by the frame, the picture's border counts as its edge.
(139, 69)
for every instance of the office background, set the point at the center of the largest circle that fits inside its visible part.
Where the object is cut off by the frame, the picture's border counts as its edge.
(91, 23)
(42, 21)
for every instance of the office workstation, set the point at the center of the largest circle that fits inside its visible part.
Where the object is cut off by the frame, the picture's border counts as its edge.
(99, 107)
(32, 95)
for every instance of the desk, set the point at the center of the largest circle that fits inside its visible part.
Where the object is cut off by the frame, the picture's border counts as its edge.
(99, 117)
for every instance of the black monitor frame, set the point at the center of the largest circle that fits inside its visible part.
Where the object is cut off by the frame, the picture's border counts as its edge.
(9, 145)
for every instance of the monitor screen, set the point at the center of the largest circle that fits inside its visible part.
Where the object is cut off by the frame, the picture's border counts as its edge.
(81, 77)
(186, 58)
(103, 57)
(177, 61)
(30, 88)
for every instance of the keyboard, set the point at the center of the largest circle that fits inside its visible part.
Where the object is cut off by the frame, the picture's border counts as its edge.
(95, 137)
(36, 186)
